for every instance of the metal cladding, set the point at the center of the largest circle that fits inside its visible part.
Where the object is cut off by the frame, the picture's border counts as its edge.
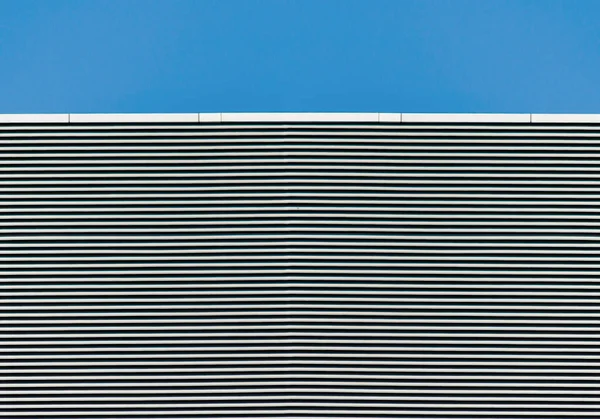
(214, 266)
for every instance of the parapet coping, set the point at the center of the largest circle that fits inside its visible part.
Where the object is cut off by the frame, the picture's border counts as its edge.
(283, 117)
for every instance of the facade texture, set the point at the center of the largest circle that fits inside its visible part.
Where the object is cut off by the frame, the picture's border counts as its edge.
(300, 266)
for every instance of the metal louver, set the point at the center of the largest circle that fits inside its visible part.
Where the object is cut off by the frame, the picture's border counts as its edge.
(300, 266)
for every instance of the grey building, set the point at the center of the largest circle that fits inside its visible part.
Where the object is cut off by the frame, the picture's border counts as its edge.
(300, 266)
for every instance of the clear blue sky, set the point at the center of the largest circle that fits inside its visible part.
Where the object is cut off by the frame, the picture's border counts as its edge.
(299, 55)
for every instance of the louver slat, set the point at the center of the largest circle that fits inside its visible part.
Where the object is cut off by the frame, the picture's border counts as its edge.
(299, 270)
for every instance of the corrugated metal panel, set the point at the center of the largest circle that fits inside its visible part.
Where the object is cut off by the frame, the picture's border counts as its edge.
(284, 270)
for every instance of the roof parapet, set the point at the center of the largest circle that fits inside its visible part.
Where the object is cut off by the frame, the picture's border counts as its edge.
(284, 117)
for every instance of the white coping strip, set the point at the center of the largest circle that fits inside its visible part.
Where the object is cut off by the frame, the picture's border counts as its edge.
(34, 118)
(467, 117)
(132, 117)
(387, 118)
(565, 118)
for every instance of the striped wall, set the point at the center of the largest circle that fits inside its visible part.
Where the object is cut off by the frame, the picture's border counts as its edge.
(300, 269)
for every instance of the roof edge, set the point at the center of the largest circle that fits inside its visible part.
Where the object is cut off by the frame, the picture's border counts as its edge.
(285, 117)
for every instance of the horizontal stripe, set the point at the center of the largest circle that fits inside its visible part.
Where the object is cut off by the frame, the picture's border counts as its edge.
(297, 269)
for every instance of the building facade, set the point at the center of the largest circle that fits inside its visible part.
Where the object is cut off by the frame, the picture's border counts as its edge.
(300, 266)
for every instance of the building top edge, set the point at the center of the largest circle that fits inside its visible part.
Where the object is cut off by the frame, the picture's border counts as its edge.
(83, 118)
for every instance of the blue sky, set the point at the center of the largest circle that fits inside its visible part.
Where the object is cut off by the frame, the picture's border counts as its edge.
(299, 55)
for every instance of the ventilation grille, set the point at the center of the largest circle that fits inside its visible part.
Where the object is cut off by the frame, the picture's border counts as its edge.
(300, 271)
